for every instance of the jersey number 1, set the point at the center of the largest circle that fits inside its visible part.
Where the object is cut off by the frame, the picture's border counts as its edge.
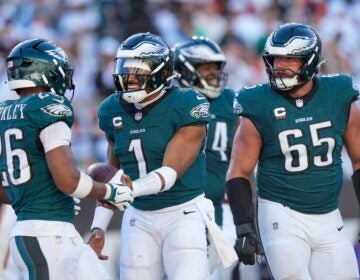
(136, 147)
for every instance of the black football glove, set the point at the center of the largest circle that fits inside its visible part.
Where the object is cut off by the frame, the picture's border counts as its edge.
(247, 244)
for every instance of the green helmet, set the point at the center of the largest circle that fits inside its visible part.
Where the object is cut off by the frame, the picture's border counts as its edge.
(193, 52)
(39, 63)
(292, 40)
(149, 58)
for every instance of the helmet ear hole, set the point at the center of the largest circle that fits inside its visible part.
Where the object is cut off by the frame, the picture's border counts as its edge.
(52, 77)
(165, 73)
(26, 63)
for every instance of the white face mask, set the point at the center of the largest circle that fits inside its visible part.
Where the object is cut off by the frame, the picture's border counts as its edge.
(287, 83)
(134, 96)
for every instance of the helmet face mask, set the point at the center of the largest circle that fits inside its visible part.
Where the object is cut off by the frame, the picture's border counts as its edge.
(192, 54)
(292, 40)
(39, 63)
(144, 58)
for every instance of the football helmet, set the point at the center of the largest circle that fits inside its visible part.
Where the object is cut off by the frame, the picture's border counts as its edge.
(39, 63)
(292, 40)
(199, 50)
(148, 58)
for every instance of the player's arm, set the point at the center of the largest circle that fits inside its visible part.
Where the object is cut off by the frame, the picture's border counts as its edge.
(244, 156)
(180, 152)
(56, 142)
(184, 147)
(104, 211)
(352, 144)
(246, 150)
(112, 159)
(3, 197)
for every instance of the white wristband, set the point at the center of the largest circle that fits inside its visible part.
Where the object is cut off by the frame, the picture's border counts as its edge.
(169, 176)
(102, 218)
(108, 191)
(83, 187)
(151, 182)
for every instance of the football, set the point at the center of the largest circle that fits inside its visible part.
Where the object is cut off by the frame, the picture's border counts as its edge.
(101, 172)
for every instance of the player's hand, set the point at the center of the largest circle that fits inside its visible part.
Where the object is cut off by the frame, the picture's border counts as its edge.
(97, 241)
(106, 204)
(247, 244)
(121, 195)
(77, 206)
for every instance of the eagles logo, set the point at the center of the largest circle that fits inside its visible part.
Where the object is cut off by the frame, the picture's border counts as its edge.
(238, 109)
(57, 110)
(201, 110)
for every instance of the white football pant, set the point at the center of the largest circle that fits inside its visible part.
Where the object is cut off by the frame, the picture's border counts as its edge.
(170, 241)
(55, 257)
(303, 246)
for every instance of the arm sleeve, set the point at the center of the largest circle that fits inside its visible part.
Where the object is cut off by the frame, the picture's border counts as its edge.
(55, 135)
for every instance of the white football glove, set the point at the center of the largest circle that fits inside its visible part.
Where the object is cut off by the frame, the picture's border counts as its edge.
(117, 193)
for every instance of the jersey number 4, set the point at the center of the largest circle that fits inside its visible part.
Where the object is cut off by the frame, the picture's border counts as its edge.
(296, 156)
(220, 140)
(14, 157)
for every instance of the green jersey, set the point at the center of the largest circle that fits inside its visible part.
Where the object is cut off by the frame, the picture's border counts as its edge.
(140, 138)
(300, 160)
(218, 147)
(25, 175)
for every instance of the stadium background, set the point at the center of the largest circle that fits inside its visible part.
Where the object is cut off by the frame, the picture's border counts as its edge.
(91, 30)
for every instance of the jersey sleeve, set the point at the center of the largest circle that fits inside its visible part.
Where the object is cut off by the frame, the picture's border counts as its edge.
(348, 90)
(48, 108)
(191, 108)
(105, 119)
(242, 103)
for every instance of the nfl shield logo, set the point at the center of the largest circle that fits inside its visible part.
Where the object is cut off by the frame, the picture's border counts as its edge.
(138, 116)
(299, 103)
(275, 225)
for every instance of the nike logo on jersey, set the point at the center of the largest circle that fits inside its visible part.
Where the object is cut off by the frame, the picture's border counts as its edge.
(340, 228)
(188, 212)
(198, 97)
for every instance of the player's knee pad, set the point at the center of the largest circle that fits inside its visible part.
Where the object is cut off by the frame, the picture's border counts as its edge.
(341, 263)
(136, 273)
(139, 249)
(346, 263)
(82, 263)
(286, 261)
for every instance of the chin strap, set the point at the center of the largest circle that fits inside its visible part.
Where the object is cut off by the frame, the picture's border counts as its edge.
(140, 106)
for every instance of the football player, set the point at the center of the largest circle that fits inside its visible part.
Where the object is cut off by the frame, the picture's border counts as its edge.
(156, 132)
(38, 174)
(295, 128)
(200, 63)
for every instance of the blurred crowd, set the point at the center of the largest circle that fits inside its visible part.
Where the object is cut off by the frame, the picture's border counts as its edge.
(91, 30)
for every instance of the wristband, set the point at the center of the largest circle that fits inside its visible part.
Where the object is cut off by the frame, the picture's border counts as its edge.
(151, 182)
(169, 175)
(83, 187)
(239, 194)
(102, 218)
